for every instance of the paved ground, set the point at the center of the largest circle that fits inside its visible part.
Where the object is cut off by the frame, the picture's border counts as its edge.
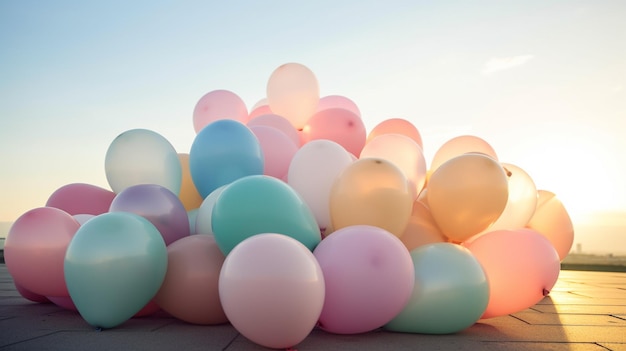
(585, 311)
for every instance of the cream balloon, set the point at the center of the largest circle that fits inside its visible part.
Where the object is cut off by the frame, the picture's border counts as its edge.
(553, 221)
(421, 229)
(293, 92)
(459, 146)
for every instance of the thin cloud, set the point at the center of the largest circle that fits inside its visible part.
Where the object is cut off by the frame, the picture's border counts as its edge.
(496, 64)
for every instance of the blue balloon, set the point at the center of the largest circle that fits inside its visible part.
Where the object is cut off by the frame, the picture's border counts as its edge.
(223, 151)
(114, 265)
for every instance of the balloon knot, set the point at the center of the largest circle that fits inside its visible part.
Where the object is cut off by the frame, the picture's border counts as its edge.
(98, 329)
(508, 173)
(546, 292)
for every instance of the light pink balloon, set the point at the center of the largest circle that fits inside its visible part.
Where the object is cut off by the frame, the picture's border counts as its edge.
(553, 221)
(35, 247)
(216, 105)
(339, 125)
(461, 145)
(260, 111)
(64, 302)
(338, 101)
(261, 102)
(79, 198)
(293, 92)
(272, 290)
(278, 122)
(278, 150)
(29, 295)
(396, 126)
(369, 278)
(522, 267)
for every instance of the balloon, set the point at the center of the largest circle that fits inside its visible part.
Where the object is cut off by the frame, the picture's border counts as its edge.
(193, 217)
(188, 195)
(222, 152)
(467, 194)
(371, 191)
(403, 152)
(553, 221)
(278, 150)
(312, 173)
(205, 212)
(260, 103)
(259, 111)
(341, 126)
(278, 122)
(82, 218)
(158, 205)
(521, 265)
(35, 247)
(421, 229)
(451, 291)
(216, 105)
(272, 290)
(261, 204)
(190, 289)
(293, 92)
(458, 146)
(396, 126)
(114, 266)
(79, 198)
(338, 101)
(369, 277)
(141, 156)
(29, 295)
(63, 302)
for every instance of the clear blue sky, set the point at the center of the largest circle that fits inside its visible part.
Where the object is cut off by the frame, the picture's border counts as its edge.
(543, 81)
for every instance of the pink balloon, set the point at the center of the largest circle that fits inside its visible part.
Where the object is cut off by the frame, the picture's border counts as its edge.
(369, 278)
(79, 198)
(278, 122)
(278, 150)
(260, 111)
(338, 101)
(29, 295)
(522, 267)
(272, 290)
(149, 309)
(64, 302)
(216, 105)
(396, 126)
(158, 205)
(35, 247)
(341, 126)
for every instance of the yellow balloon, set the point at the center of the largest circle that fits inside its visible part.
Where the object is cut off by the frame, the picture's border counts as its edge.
(467, 194)
(421, 229)
(371, 191)
(188, 195)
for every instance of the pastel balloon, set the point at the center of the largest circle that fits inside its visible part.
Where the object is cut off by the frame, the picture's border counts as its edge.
(216, 105)
(34, 250)
(341, 126)
(261, 204)
(369, 277)
(259, 111)
(467, 194)
(114, 266)
(338, 101)
(204, 217)
(421, 229)
(461, 145)
(82, 218)
(222, 152)
(553, 221)
(278, 122)
(403, 152)
(80, 198)
(396, 126)
(293, 92)
(312, 172)
(141, 156)
(522, 267)
(158, 205)
(272, 290)
(29, 295)
(262, 102)
(190, 289)
(64, 302)
(371, 191)
(450, 294)
(188, 195)
(278, 150)
(193, 217)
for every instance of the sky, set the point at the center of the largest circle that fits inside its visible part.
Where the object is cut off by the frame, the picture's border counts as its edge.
(544, 82)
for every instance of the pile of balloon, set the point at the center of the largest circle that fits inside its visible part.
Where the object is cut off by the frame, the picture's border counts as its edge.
(293, 217)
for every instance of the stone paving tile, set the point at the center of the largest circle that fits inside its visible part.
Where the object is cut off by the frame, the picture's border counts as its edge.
(614, 346)
(525, 346)
(578, 309)
(603, 294)
(537, 318)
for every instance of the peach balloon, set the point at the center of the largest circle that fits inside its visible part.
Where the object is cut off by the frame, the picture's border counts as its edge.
(458, 146)
(278, 150)
(553, 221)
(403, 152)
(421, 229)
(260, 103)
(216, 105)
(339, 125)
(190, 291)
(259, 111)
(278, 122)
(189, 195)
(467, 194)
(338, 101)
(371, 191)
(293, 92)
(396, 126)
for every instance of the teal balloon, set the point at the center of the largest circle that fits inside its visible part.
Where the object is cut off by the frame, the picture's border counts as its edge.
(114, 265)
(451, 291)
(223, 151)
(261, 204)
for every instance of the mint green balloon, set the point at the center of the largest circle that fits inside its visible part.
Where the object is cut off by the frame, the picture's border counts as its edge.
(114, 265)
(261, 204)
(451, 291)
